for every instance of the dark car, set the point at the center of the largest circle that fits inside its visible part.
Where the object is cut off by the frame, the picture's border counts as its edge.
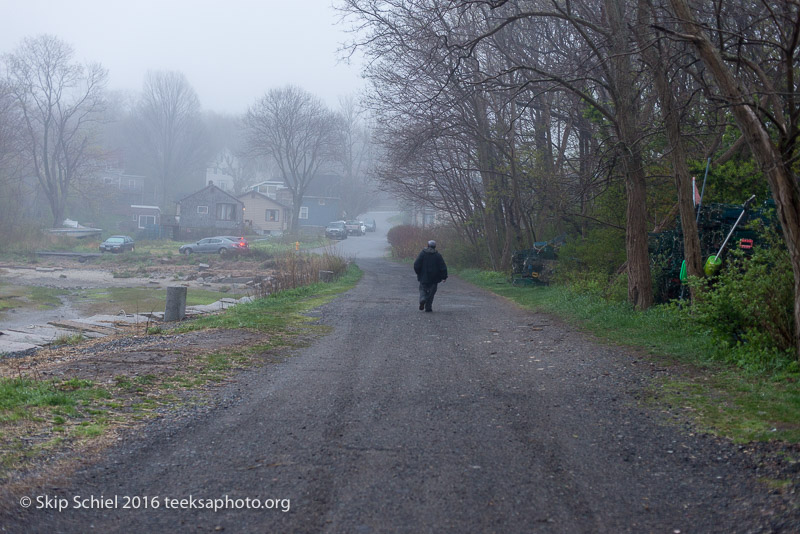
(336, 230)
(117, 243)
(370, 224)
(217, 245)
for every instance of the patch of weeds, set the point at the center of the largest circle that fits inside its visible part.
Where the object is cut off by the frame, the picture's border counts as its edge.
(776, 484)
(88, 430)
(148, 379)
(25, 392)
(123, 382)
(744, 409)
(123, 274)
(69, 339)
(155, 330)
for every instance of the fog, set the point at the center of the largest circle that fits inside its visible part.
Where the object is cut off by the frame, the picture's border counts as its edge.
(231, 52)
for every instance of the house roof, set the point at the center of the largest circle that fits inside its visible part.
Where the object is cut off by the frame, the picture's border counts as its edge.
(209, 186)
(253, 194)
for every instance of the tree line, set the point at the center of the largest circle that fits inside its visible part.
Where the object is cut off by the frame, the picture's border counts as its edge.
(60, 128)
(523, 119)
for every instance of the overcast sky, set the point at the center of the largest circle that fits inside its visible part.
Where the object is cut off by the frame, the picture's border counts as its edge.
(231, 51)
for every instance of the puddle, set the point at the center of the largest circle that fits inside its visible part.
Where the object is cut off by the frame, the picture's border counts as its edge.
(24, 317)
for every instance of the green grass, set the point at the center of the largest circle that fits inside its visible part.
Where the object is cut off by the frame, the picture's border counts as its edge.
(744, 403)
(280, 310)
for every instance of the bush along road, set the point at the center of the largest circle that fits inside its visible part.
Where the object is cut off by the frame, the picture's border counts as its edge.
(479, 417)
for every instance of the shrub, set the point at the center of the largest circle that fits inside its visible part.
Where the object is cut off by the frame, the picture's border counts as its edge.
(602, 251)
(589, 265)
(406, 240)
(750, 304)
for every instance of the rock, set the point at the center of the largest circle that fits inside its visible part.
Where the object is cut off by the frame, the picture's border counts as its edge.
(203, 266)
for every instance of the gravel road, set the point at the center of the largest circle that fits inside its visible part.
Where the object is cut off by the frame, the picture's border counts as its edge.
(479, 417)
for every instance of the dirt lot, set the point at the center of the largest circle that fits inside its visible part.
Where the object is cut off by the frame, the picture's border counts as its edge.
(73, 288)
(66, 273)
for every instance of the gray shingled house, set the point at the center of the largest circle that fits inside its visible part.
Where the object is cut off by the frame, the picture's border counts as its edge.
(210, 211)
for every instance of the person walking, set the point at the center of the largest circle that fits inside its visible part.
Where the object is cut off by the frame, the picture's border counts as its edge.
(431, 270)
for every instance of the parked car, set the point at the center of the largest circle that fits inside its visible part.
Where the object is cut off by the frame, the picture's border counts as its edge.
(336, 230)
(353, 228)
(117, 243)
(370, 224)
(217, 245)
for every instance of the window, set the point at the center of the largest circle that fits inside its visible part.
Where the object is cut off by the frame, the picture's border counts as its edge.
(202, 210)
(226, 212)
(271, 216)
(303, 212)
(145, 220)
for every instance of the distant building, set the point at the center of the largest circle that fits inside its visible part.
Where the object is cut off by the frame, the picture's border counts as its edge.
(217, 172)
(319, 211)
(269, 188)
(145, 216)
(210, 211)
(131, 187)
(264, 215)
(320, 205)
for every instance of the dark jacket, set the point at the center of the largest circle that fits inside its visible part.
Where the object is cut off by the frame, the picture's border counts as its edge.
(430, 267)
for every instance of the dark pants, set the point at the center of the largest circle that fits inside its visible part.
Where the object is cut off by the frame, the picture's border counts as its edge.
(426, 293)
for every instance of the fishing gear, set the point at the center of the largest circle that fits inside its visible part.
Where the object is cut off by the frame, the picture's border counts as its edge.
(714, 262)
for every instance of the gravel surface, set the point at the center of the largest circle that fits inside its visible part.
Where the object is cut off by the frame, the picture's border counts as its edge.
(479, 417)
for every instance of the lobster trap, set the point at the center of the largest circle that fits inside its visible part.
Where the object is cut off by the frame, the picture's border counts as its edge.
(535, 266)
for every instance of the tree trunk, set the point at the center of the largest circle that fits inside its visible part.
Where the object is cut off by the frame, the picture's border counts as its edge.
(640, 285)
(783, 184)
(653, 55)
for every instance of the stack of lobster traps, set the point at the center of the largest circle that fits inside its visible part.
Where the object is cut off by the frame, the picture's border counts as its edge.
(537, 265)
(713, 225)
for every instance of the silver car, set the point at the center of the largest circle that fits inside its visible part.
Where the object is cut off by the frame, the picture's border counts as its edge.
(217, 245)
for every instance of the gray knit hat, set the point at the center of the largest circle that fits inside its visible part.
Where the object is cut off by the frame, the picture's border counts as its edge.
(432, 243)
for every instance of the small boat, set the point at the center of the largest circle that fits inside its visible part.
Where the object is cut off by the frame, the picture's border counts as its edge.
(72, 228)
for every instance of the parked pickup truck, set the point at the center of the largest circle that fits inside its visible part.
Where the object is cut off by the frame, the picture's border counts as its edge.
(353, 228)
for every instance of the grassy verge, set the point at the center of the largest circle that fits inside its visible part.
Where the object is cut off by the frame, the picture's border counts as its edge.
(744, 404)
(279, 311)
(40, 418)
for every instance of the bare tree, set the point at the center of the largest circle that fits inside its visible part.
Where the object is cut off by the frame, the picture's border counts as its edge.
(12, 197)
(297, 131)
(168, 133)
(60, 102)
